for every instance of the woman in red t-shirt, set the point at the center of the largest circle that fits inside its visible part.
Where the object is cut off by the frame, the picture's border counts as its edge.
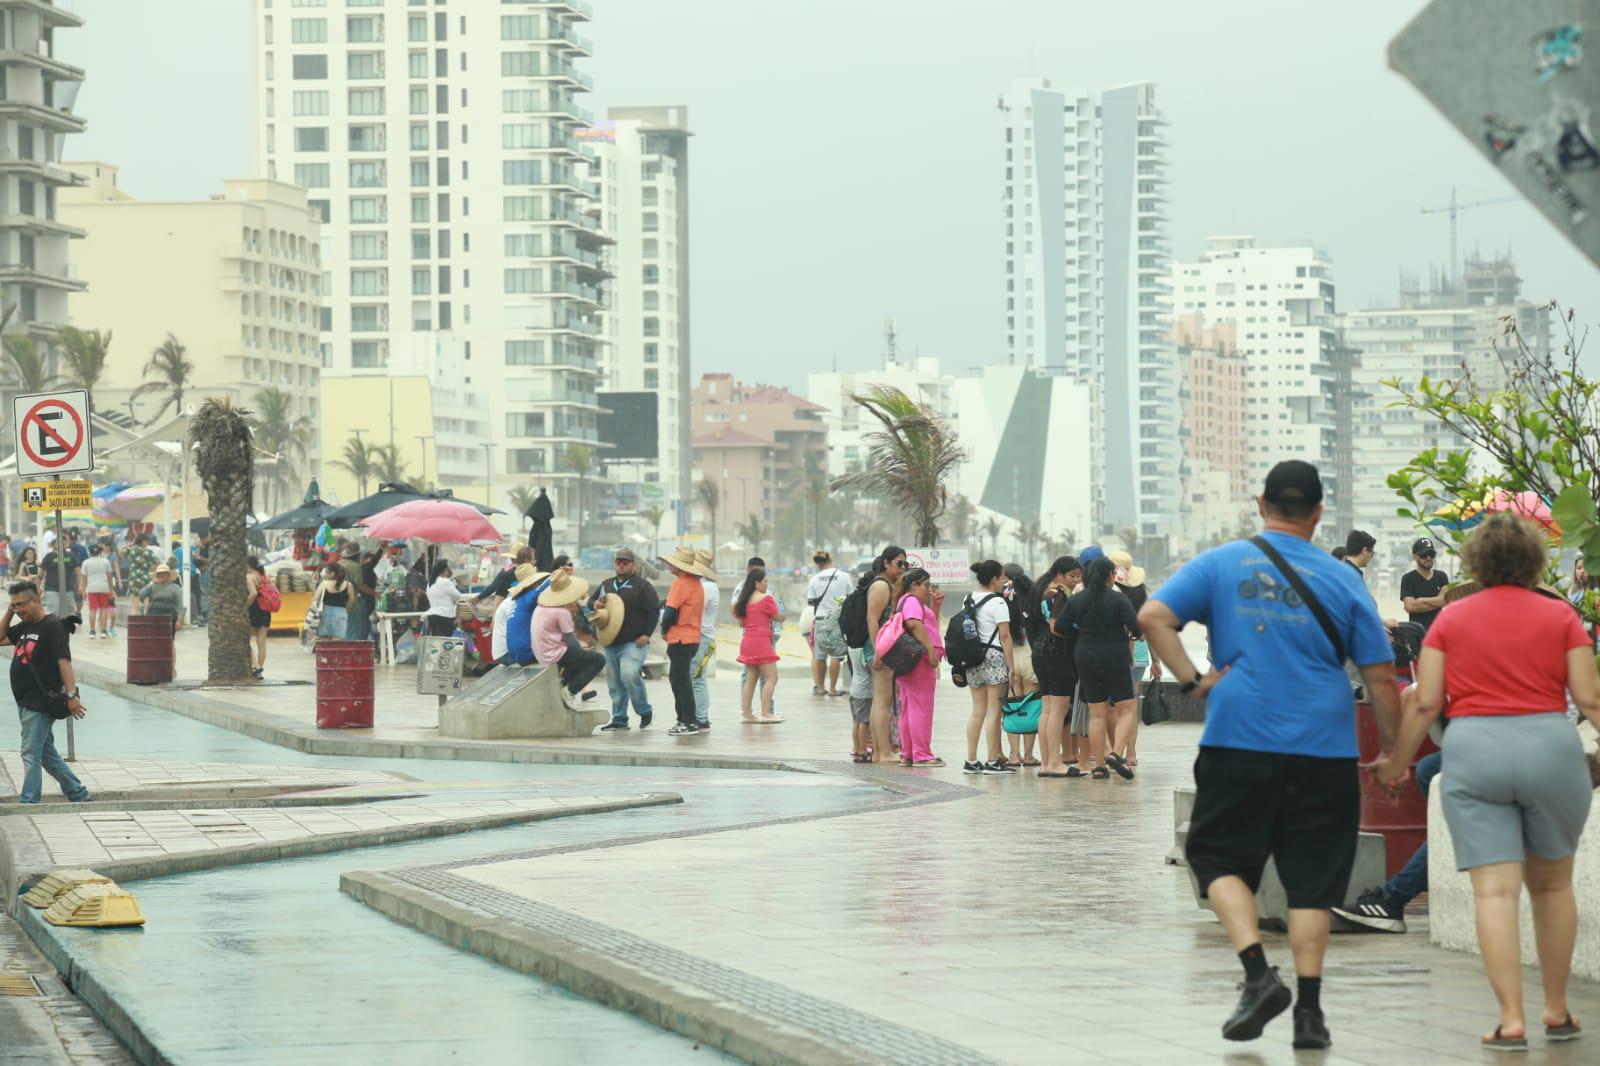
(1516, 787)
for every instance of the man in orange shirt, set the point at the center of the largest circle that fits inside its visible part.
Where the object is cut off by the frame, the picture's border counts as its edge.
(680, 623)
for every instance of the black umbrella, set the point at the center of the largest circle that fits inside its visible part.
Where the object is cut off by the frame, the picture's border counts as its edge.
(481, 508)
(389, 494)
(308, 515)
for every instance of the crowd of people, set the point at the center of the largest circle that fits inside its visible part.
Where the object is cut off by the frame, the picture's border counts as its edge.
(89, 574)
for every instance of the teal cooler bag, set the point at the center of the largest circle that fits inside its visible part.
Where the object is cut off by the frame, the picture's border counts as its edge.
(1020, 714)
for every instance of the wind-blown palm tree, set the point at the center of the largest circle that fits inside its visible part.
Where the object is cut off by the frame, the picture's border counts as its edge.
(1029, 533)
(908, 459)
(652, 517)
(167, 371)
(279, 431)
(220, 434)
(993, 528)
(522, 497)
(581, 460)
(387, 463)
(356, 460)
(707, 495)
(753, 533)
(83, 357)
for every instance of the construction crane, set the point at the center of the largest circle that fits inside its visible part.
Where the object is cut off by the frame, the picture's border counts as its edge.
(1453, 209)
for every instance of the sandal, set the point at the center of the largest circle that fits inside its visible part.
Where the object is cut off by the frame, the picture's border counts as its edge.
(815, 691)
(748, 718)
(1567, 1030)
(764, 720)
(1100, 773)
(928, 762)
(1074, 771)
(837, 695)
(1032, 762)
(860, 756)
(1504, 1043)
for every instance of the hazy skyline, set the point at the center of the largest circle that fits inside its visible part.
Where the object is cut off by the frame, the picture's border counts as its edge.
(846, 162)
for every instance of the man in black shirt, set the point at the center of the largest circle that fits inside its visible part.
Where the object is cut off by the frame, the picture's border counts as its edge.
(49, 569)
(1422, 589)
(641, 607)
(41, 663)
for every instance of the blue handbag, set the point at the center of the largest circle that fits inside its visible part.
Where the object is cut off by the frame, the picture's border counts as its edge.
(1020, 714)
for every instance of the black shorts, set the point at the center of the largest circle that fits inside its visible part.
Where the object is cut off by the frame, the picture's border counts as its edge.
(260, 617)
(1301, 811)
(1105, 673)
(1057, 677)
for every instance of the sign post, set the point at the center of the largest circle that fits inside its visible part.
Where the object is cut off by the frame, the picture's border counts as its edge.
(54, 437)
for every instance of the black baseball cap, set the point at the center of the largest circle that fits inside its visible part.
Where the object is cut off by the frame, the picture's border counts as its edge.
(1423, 546)
(1293, 481)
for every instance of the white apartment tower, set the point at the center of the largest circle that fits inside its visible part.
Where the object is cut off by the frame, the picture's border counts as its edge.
(439, 143)
(1280, 301)
(642, 170)
(37, 92)
(1087, 269)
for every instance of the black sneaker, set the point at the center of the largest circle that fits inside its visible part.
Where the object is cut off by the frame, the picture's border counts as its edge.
(681, 730)
(1260, 1001)
(1373, 910)
(645, 720)
(999, 766)
(1310, 1031)
(703, 726)
(1123, 770)
(972, 767)
(614, 727)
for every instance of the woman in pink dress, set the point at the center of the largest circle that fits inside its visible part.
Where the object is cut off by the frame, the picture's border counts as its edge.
(755, 610)
(919, 608)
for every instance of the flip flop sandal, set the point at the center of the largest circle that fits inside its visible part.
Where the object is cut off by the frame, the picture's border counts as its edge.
(1034, 762)
(1560, 1034)
(1100, 773)
(742, 718)
(860, 756)
(1047, 773)
(1504, 1043)
(774, 720)
(1073, 771)
(815, 691)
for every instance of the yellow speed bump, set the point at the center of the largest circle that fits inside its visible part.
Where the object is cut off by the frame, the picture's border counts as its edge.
(57, 883)
(95, 905)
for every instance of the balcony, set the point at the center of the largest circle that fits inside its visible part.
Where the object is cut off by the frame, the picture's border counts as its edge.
(577, 9)
(40, 170)
(49, 118)
(45, 9)
(51, 67)
(47, 227)
(28, 274)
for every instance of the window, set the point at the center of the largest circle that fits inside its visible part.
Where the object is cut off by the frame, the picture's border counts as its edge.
(524, 353)
(652, 327)
(525, 460)
(652, 300)
(368, 209)
(369, 353)
(519, 100)
(419, 209)
(365, 64)
(306, 175)
(369, 246)
(520, 172)
(525, 424)
(311, 139)
(523, 135)
(419, 172)
(652, 274)
(310, 68)
(421, 244)
(444, 283)
(441, 63)
(367, 175)
(652, 379)
(442, 177)
(441, 98)
(368, 318)
(320, 208)
(442, 134)
(523, 245)
(367, 138)
(308, 31)
(417, 65)
(366, 101)
(311, 102)
(523, 279)
(651, 352)
(520, 209)
(421, 281)
(419, 100)
(364, 29)
(421, 314)
(519, 64)
(518, 28)
(417, 28)
(369, 283)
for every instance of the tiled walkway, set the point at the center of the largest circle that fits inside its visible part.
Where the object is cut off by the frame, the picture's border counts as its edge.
(132, 775)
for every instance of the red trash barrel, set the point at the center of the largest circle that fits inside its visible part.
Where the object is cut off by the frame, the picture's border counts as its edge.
(150, 656)
(344, 684)
(1402, 819)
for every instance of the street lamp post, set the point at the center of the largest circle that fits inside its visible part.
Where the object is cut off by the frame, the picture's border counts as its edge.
(422, 443)
(488, 471)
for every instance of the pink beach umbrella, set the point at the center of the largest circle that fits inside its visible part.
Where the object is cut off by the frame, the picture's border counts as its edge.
(435, 521)
(1526, 504)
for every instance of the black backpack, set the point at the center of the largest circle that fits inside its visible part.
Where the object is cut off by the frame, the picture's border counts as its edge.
(962, 648)
(853, 614)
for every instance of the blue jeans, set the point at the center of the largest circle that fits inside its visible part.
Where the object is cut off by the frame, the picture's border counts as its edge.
(39, 753)
(358, 624)
(625, 678)
(1412, 880)
(697, 680)
(335, 623)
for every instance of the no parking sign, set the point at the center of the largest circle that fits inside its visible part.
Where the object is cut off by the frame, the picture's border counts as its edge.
(53, 433)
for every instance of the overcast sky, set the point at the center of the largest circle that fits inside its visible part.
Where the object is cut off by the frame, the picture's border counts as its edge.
(847, 159)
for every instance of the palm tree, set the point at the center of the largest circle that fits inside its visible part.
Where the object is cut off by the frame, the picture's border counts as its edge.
(993, 528)
(220, 434)
(652, 516)
(84, 352)
(387, 464)
(707, 496)
(357, 462)
(1029, 533)
(753, 533)
(908, 459)
(166, 371)
(961, 520)
(581, 460)
(814, 494)
(278, 431)
(522, 497)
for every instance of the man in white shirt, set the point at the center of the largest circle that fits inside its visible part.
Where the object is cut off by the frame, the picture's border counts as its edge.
(97, 582)
(704, 660)
(827, 585)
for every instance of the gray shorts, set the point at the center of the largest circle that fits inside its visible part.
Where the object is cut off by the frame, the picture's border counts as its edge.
(1514, 784)
(861, 710)
(861, 675)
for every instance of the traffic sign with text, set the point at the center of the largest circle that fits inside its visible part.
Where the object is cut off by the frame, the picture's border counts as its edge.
(53, 433)
(57, 495)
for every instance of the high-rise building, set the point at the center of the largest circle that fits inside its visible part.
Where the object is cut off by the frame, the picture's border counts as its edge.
(239, 286)
(460, 243)
(37, 92)
(1216, 487)
(1280, 302)
(758, 444)
(1087, 289)
(642, 170)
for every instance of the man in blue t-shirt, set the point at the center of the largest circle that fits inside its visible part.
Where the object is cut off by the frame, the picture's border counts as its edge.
(1276, 774)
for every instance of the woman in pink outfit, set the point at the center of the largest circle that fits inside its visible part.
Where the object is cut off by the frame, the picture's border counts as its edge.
(755, 610)
(919, 608)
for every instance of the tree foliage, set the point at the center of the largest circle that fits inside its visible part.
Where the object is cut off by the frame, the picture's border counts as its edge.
(908, 459)
(357, 461)
(168, 372)
(224, 457)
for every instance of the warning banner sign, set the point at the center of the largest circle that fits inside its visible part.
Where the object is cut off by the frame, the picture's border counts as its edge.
(57, 495)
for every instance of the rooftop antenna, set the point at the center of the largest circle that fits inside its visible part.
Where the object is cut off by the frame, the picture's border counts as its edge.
(889, 357)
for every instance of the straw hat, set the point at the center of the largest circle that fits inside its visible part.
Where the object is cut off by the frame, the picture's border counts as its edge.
(563, 589)
(1121, 558)
(684, 558)
(162, 569)
(607, 619)
(705, 561)
(527, 576)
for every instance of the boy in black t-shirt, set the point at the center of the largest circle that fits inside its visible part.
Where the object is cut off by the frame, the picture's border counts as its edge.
(1422, 589)
(41, 663)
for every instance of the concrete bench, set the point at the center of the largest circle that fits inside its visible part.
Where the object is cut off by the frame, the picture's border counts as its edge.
(517, 703)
